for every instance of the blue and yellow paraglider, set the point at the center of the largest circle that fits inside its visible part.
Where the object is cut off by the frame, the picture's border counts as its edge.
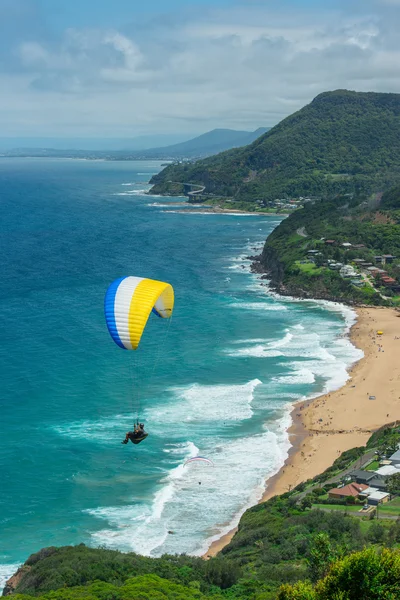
(128, 303)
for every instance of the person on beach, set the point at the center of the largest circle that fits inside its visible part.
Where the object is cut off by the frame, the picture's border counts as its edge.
(137, 435)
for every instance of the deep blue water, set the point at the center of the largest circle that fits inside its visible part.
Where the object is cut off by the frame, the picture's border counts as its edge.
(216, 382)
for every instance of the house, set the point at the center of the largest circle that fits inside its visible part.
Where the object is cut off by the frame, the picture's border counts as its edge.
(346, 245)
(395, 458)
(351, 489)
(358, 260)
(348, 271)
(369, 477)
(378, 498)
(357, 282)
(389, 281)
(388, 258)
(312, 251)
(378, 259)
(361, 476)
(378, 482)
(366, 264)
(388, 470)
(329, 242)
(358, 246)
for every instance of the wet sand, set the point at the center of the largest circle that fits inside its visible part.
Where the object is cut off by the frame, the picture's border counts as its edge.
(327, 426)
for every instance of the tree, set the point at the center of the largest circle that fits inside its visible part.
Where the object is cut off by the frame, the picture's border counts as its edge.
(321, 555)
(306, 502)
(367, 574)
(393, 484)
(299, 591)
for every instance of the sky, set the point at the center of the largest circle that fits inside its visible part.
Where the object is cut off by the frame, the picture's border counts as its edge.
(124, 68)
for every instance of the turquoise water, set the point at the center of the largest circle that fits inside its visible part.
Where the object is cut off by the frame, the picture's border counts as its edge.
(217, 382)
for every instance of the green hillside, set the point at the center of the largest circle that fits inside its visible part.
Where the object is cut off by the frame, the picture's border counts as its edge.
(341, 142)
(298, 258)
(288, 548)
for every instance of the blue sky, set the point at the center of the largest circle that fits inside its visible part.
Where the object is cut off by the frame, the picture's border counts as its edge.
(122, 68)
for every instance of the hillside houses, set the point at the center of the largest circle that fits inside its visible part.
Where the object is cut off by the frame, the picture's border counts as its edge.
(360, 271)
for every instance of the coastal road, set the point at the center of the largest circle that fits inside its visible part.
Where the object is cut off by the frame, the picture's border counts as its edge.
(302, 231)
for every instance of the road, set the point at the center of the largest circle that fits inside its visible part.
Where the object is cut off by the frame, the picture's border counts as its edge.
(302, 231)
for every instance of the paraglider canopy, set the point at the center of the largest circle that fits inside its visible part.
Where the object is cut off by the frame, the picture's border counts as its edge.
(199, 459)
(128, 304)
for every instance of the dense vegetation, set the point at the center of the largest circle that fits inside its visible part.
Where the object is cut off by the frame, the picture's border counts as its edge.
(373, 222)
(281, 550)
(342, 142)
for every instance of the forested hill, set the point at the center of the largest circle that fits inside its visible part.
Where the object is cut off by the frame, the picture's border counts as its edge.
(341, 142)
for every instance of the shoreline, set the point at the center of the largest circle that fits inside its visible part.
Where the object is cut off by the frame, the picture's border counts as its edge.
(216, 210)
(324, 427)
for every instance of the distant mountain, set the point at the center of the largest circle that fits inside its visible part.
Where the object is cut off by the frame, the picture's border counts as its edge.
(142, 147)
(142, 142)
(208, 143)
(341, 142)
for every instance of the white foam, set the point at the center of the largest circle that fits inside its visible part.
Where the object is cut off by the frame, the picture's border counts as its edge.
(260, 306)
(182, 505)
(128, 184)
(6, 571)
(202, 403)
(105, 430)
(142, 526)
(258, 351)
(300, 376)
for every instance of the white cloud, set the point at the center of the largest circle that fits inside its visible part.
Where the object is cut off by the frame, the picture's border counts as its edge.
(227, 68)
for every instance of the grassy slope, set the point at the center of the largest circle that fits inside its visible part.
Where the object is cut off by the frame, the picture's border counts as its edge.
(342, 141)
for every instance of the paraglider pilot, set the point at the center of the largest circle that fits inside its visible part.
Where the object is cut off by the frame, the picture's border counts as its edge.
(137, 435)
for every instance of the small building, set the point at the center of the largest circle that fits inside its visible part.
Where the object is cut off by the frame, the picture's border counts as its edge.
(329, 242)
(366, 264)
(370, 478)
(378, 259)
(348, 271)
(358, 246)
(313, 252)
(378, 498)
(351, 489)
(378, 482)
(346, 245)
(389, 258)
(388, 470)
(395, 458)
(358, 283)
(389, 281)
(358, 260)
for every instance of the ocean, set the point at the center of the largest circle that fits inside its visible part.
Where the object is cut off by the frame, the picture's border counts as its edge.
(217, 380)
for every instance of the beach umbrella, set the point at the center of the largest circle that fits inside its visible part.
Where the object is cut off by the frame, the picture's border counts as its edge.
(379, 332)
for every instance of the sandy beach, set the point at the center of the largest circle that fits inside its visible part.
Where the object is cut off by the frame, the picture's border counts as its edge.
(330, 424)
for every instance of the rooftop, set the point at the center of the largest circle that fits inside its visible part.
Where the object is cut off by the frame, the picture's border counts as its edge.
(352, 489)
(378, 496)
(395, 456)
